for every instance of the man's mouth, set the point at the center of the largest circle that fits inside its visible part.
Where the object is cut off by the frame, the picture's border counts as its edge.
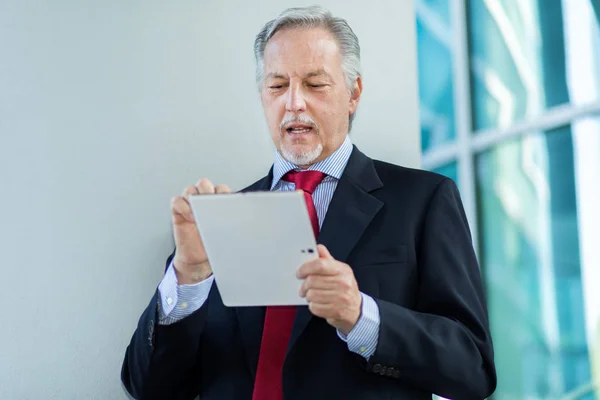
(298, 128)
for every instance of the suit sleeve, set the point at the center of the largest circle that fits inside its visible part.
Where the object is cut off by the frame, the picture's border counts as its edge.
(444, 345)
(161, 361)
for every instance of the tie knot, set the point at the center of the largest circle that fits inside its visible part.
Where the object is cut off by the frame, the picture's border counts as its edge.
(305, 180)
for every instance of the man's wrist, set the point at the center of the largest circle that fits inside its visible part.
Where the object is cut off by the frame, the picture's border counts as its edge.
(347, 326)
(199, 273)
(364, 336)
(178, 301)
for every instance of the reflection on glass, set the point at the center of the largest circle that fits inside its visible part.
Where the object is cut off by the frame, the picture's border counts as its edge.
(530, 255)
(434, 53)
(530, 55)
(586, 140)
(449, 170)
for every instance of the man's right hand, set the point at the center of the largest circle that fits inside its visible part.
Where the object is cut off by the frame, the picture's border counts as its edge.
(190, 261)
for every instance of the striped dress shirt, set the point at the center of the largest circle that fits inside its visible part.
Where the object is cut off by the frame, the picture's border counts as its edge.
(178, 301)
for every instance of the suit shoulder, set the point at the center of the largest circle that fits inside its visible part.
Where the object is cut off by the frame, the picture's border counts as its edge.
(416, 189)
(409, 178)
(252, 186)
(261, 184)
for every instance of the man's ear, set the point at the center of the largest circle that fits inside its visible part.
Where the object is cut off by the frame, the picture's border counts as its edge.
(355, 95)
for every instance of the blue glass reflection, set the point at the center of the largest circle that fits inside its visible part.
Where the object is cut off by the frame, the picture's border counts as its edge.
(436, 90)
(449, 170)
(531, 55)
(530, 256)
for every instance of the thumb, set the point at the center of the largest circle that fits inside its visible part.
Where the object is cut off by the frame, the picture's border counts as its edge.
(323, 252)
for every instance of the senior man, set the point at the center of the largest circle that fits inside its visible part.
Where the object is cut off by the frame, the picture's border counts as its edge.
(396, 308)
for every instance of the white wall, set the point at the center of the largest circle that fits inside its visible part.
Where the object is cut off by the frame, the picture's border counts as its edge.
(107, 109)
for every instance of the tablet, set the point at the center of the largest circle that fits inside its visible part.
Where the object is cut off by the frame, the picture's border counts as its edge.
(256, 241)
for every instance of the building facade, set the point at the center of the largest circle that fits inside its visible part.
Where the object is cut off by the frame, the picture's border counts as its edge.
(510, 109)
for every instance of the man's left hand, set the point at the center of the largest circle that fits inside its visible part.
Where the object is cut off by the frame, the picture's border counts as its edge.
(331, 291)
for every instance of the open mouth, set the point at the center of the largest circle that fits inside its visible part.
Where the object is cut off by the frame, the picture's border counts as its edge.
(298, 128)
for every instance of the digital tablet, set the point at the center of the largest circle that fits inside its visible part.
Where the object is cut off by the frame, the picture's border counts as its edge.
(256, 242)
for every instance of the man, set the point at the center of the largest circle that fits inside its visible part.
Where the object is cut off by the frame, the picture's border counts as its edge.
(396, 306)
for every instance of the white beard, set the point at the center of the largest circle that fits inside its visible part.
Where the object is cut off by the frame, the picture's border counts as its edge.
(305, 158)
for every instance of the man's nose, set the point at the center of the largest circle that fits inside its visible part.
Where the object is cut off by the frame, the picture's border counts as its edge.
(295, 102)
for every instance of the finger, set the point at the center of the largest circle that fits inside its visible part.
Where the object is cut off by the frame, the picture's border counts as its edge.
(189, 191)
(322, 296)
(321, 310)
(318, 282)
(324, 253)
(180, 206)
(205, 186)
(222, 189)
(319, 266)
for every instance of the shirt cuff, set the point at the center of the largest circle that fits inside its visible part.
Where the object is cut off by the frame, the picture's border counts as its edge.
(363, 338)
(179, 301)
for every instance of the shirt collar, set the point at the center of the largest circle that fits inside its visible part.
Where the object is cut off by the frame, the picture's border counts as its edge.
(332, 166)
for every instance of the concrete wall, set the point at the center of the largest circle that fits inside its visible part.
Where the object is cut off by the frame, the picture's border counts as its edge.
(107, 109)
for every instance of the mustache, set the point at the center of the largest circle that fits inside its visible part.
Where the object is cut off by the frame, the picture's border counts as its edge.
(298, 118)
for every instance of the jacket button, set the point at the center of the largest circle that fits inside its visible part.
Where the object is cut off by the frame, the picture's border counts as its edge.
(390, 371)
(377, 368)
(383, 370)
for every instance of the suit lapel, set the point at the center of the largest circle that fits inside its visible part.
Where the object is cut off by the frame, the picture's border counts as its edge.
(351, 210)
(251, 318)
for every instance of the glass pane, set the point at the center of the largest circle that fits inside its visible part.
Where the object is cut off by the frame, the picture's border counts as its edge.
(449, 170)
(434, 53)
(530, 251)
(530, 55)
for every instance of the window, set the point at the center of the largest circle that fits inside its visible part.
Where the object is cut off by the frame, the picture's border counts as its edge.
(510, 98)
(530, 55)
(449, 170)
(434, 54)
(529, 238)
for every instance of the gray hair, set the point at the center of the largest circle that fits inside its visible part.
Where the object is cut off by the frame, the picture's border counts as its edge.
(313, 17)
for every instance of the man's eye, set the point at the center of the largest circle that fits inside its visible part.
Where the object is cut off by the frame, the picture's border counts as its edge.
(316, 86)
(275, 86)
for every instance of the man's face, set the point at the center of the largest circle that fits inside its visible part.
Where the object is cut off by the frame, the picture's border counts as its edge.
(304, 94)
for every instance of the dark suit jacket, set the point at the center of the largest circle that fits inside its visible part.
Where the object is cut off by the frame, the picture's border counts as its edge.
(405, 235)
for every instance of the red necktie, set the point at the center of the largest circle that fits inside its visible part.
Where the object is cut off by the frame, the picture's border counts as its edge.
(279, 320)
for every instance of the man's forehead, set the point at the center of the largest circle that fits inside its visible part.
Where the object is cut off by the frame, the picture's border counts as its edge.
(318, 72)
